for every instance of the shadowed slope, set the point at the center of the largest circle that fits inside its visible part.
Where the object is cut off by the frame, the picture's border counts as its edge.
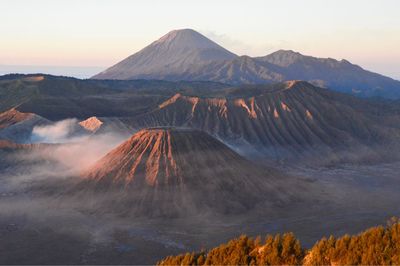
(340, 75)
(57, 98)
(12, 117)
(17, 126)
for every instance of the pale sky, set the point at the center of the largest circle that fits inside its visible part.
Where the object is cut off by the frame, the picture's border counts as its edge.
(99, 33)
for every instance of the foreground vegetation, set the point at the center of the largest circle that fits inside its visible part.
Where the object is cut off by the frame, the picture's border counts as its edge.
(375, 246)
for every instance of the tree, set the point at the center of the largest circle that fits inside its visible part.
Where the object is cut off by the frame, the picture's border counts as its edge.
(375, 246)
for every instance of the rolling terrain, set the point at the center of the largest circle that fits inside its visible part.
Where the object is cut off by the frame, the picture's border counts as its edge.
(289, 121)
(270, 158)
(56, 98)
(270, 136)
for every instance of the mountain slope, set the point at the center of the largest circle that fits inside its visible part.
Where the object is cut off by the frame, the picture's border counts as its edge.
(171, 55)
(340, 122)
(55, 98)
(17, 126)
(330, 73)
(12, 117)
(168, 172)
(240, 70)
(187, 55)
(291, 120)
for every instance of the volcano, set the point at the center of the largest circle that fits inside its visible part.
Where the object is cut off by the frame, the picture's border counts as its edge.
(172, 54)
(188, 55)
(175, 171)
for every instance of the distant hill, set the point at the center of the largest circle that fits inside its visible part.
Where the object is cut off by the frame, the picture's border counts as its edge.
(56, 97)
(188, 55)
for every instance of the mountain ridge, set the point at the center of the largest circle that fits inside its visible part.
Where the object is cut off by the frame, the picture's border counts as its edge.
(292, 121)
(201, 59)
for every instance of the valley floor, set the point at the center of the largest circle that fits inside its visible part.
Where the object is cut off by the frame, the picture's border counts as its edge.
(40, 231)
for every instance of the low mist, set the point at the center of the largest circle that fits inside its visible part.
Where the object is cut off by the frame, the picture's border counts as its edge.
(58, 132)
(30, 194)
(61, 152)
(73, 146)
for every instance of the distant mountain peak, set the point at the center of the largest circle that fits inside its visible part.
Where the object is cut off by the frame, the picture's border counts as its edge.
(172, 54)
(286, 52)
(185, 54)
(172, 35)
(187, 38)
(91, 124)
(283, 58)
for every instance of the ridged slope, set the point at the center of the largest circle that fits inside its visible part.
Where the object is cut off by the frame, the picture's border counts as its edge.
(169, 171)
(12, 117)
(17, 126)
(297, 119)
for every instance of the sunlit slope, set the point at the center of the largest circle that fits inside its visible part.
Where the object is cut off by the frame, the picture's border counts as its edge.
(175, 172)
(288, 120)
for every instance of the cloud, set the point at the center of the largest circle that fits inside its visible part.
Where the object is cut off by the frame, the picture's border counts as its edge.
(82, 152)
(63, 150)
(59, 132)
(73, 147)
(224, 40)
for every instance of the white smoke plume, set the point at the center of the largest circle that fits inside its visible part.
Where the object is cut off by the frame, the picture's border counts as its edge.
(64, 149)
(79, 153)
(59, 132)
